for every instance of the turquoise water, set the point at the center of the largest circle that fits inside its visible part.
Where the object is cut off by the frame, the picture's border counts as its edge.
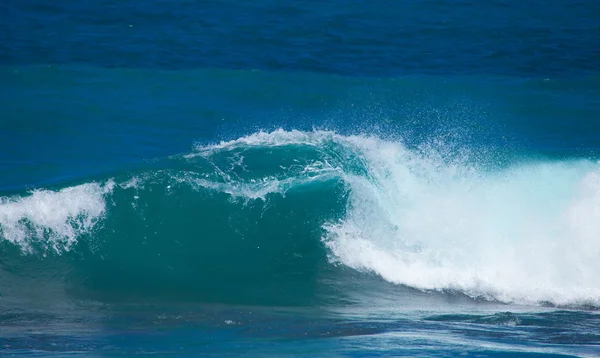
(281, 179)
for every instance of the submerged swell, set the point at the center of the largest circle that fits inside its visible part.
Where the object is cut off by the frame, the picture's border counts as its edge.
(275, 217)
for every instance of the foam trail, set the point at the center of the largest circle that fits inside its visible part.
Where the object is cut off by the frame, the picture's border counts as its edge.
(53, 219)
(253, 190)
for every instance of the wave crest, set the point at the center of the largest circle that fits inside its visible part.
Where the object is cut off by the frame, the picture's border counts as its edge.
(53, 219)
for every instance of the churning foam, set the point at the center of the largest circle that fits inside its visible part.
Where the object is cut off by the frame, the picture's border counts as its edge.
(52, 219)
(526, 233)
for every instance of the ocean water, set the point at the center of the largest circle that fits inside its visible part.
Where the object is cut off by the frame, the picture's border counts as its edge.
(306, 178)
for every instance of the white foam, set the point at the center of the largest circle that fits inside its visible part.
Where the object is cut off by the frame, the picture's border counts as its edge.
(428, 219)
(528, 233)
(53, 219)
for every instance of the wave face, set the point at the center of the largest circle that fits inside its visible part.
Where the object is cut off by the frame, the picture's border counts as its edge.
(278, 217)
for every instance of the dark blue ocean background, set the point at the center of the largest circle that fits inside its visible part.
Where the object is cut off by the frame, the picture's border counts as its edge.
(300, 178)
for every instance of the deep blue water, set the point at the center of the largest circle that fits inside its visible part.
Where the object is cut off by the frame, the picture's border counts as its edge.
(409, 178)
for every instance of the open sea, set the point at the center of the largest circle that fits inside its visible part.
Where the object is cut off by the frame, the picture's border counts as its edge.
(300, 178)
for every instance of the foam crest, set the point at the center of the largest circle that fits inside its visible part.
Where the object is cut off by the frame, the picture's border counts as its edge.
(527, 233)
(276, 138)
(52, 219)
